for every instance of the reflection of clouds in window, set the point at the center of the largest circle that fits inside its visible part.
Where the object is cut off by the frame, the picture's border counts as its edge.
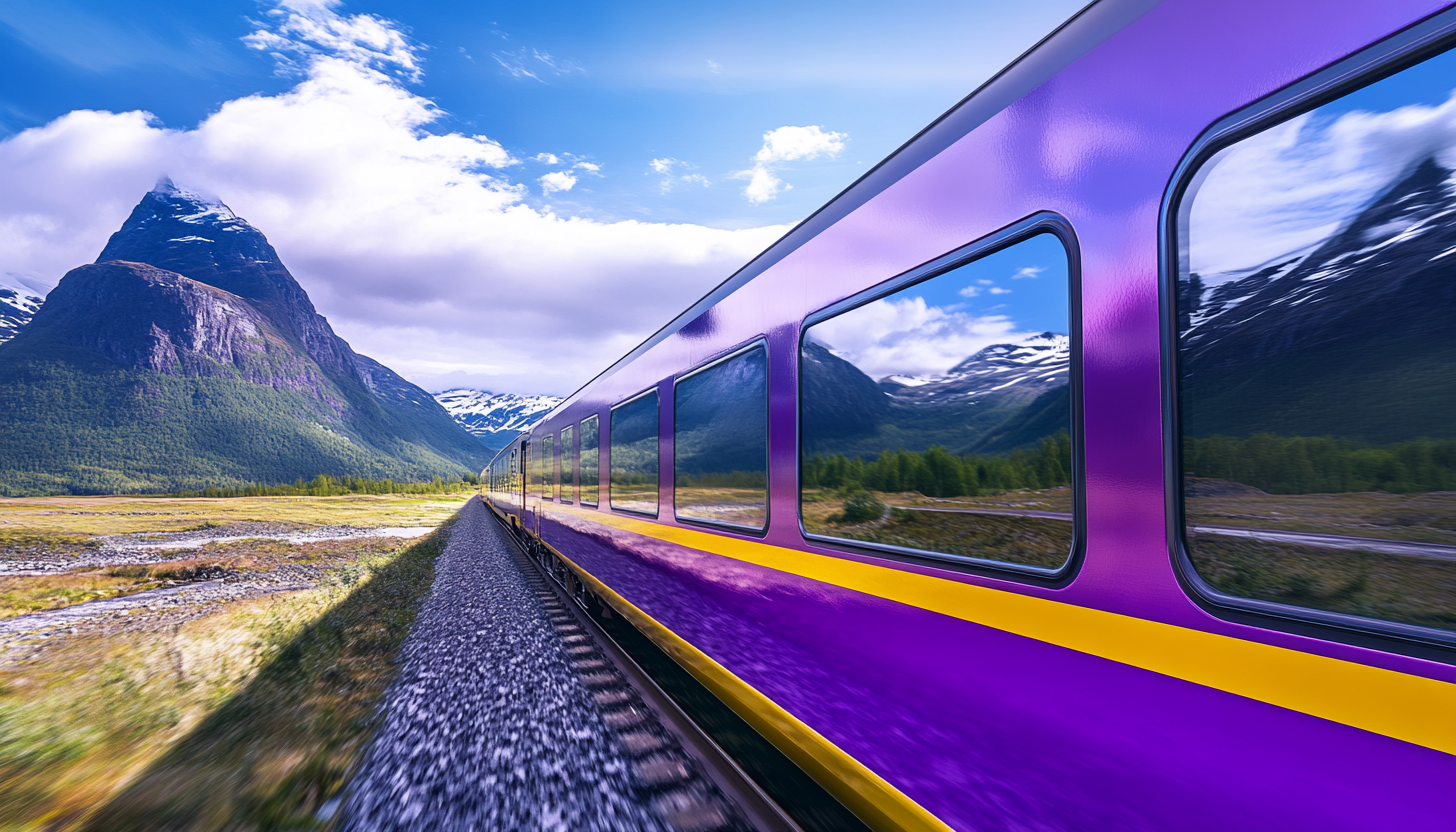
(907, 336)
(1289, 188)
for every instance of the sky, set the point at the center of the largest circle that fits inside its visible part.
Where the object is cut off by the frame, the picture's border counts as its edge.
(505, 197)
(1284, 190)
(924, 330)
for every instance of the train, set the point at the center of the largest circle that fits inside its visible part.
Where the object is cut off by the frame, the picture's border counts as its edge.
(1089, 463)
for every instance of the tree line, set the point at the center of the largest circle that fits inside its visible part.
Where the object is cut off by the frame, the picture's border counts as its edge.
(324, 485)
(938, 473)
(1323, 464)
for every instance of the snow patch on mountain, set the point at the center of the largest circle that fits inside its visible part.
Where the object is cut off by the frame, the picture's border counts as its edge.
(495, 418)
(1038, 362)
(18, 305)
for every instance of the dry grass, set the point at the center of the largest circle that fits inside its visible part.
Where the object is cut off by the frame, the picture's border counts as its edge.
(740, 506)
(1409, 590)
(1421, 518)
(60, 521)
(1028, 541)
(248, 718)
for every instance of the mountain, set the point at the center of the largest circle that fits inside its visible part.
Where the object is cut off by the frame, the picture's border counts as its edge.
(187, 356)
(17, 306)
(1351, 337)
(495, 418)
(1003, 397)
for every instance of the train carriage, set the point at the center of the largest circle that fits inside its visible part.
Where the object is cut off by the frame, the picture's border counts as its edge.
(1089, 463)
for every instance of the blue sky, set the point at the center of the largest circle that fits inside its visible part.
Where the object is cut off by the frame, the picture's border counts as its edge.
(649, 114)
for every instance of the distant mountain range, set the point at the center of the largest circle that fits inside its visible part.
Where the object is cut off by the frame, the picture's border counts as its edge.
(495, 418)
(17, 306)
(1004, 397)
(187, 356)
(1352, 337)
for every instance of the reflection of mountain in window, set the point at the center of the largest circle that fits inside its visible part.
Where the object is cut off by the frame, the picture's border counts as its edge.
(939, 418)
(720, 442)
(1317, 358)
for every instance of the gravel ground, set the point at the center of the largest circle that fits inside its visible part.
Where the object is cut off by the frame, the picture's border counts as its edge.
(506, 717)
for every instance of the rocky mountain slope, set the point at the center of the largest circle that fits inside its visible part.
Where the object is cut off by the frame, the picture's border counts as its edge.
(495, 418)
(1351, 337)
(18, 305)
(187, 355)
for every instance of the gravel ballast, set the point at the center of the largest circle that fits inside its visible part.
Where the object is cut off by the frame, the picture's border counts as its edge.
(506, 715)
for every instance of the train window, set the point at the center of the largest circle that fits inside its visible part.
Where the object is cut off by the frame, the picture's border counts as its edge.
(633, 483)
(548, 467)
(589, 461)
(1316, 360)
(938, 420)
(568, 465)
(533, 469)
(720, 442)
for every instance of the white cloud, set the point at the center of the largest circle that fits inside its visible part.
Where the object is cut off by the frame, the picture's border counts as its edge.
(664, 167)
(557, 180)
(695, 179)
(1028, 271)
(589, 167)
(308, 28)
(546, 158)
(418, 247)
(997, 290)
(910, 337)
(1290, 187)
(533, 63)
(661, 165)
(786, 144)
(969, 291)
(714, 67)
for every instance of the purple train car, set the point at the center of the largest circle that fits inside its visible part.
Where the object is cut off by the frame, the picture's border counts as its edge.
(1088, 464)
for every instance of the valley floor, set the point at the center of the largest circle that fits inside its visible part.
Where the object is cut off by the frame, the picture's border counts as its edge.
(232, 647)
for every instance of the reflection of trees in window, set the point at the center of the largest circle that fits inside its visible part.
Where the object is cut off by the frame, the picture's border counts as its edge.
(1317, 361)
(568, 465)
(548, 468)
(939, 418)
(634, 455)
(720, 442)
(589, 461)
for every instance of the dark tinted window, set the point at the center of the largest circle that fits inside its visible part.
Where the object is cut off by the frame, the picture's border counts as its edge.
(939, 418)
(634, 455)
(720, 443)
(568, 465)
(589, 461)
(548, 467)
(1316, 322)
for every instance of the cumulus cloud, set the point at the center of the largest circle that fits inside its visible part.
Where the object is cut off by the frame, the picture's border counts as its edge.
(557, 180)
(910, 337)
(1028, 271)
(306, 29)
(786, 144)
(589, 167)
(661, 165)
(546, 158)
(997, 290)
(1290, 187)
(419, 248)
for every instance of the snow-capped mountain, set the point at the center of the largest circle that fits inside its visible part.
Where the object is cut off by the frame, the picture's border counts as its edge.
(17, 306)
(1350, 338)
(1022, 370)
(495, 418)
(1386, 271)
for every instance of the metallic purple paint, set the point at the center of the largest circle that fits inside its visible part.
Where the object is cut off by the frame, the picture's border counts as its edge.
(986, 729)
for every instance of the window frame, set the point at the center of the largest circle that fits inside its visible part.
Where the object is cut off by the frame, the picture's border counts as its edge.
(650, 391)
(758, 342)
(1378, 61)
(581, 433)
(1042, 222)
